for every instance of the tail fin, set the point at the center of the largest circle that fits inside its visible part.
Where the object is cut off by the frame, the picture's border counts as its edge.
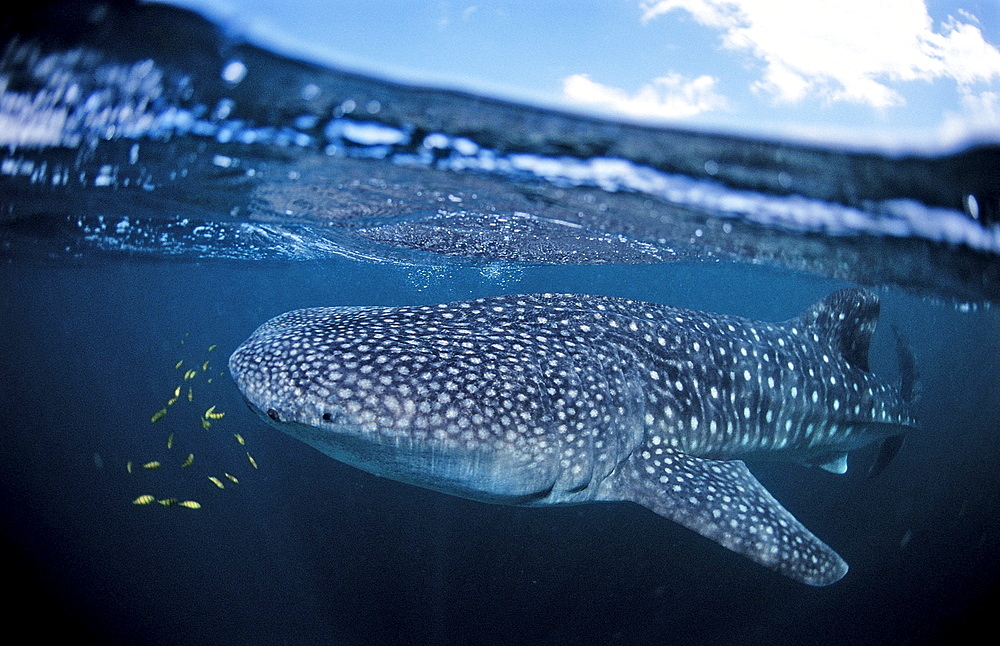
(848, 318)
(908, 375)
(890, 447)
(908, 386)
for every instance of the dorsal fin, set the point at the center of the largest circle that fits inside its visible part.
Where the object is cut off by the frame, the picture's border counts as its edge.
(847, 318)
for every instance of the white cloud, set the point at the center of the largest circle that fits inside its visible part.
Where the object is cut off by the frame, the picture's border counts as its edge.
(978, 118)
(667, 97)
(849, 50)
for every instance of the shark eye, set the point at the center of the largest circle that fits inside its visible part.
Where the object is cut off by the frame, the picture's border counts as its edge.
(273, 414)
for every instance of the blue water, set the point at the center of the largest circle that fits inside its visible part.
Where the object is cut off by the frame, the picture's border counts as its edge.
(302, 550)
(306, 550)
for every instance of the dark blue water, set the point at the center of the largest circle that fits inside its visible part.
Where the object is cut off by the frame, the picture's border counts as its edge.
(306, 550)
(95, 315)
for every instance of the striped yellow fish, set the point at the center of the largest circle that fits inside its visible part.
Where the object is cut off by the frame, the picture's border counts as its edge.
(231, 477)
(143, 500)
(155, 464)
(171, 401)
(158, 415)
(190, 374)
(178, 365)
(211, 347)
(205, 424)
(188, 461)
(170, 441)
(168, 502)
(128, 466)
(177, 391)
(218, 483)
(253, 462)
(204, 366)
(190, 504)
(216, 416)
(190, 395)
(239, 438)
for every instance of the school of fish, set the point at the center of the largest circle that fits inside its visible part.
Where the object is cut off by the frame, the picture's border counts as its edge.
(206, 419)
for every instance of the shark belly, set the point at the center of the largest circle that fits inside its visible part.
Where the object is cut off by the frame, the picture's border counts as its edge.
(549, 399)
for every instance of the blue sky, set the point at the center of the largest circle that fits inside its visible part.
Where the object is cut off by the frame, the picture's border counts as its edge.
(888, 74)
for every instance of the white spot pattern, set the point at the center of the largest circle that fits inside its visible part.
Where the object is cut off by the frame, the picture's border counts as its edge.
(547, 398)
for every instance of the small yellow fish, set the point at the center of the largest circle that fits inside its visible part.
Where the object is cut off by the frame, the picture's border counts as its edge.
(211, 347)
(128, 466)
(217, 482)
(239, 438)
(158, 415)
(205, 424)
(155, 464)
(178, 365)
(211, 409)
(143, 500)
(190, 395)
(177, 391)
(188, 461)
(190, 374)
(171, 401)
(204, 366)
(170, 441)
(231, 477)
(253, 462)
(168, 502)
(216, 416)
(190, 504)
(209, 380)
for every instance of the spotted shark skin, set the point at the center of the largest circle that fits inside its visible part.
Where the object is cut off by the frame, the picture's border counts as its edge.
(552, 398)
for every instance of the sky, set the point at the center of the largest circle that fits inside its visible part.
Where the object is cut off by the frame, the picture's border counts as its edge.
(872, 74)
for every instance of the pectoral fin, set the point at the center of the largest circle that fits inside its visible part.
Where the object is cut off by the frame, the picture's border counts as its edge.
(721, 500)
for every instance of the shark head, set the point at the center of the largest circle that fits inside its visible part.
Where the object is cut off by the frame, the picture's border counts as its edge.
(459, 397)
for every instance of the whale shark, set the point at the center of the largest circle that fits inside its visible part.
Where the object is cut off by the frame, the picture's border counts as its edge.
(543, 399)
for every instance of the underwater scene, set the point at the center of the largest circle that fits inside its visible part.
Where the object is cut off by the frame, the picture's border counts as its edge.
(298, 355)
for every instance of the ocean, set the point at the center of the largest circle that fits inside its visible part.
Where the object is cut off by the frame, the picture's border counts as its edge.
(162, 197)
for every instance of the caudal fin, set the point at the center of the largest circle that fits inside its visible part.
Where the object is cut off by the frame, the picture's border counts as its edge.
(890, 447)
(909, 378)
(908, 387)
